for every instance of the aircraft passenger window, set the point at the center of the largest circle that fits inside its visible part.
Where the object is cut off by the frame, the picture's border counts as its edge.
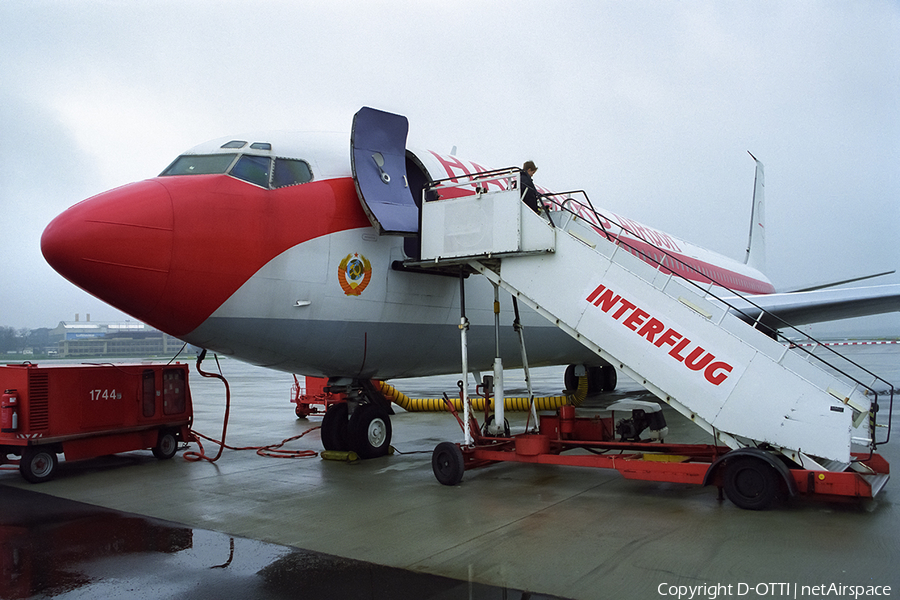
(199, 164)
(234, 144)
(254, 169)
(290, 172)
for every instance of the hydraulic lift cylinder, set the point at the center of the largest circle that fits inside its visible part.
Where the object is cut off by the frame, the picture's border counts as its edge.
(499, 398)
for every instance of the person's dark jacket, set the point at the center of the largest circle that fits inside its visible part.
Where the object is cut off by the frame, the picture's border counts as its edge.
(529, 193)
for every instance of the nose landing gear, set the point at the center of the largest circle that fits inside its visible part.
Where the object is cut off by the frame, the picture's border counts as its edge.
(370, 431)
(362, 423)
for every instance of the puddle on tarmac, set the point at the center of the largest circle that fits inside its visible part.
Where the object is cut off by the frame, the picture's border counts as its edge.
(56, 548)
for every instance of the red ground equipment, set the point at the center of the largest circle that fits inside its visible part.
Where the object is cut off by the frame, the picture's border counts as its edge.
(750, 477)
(84, 411)
(311, 398)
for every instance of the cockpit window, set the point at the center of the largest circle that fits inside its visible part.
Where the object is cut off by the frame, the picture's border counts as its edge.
(290, 172)
(261, 146)
(200, 164)
(254, 169)
(248, 167)
(234, 144)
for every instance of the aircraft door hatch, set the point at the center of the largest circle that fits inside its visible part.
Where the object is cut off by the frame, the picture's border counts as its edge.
(378, 161)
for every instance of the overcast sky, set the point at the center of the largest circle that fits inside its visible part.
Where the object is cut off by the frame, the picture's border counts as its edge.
(649, 106)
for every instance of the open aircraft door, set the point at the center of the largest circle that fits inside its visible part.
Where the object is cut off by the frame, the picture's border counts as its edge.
(378, 161)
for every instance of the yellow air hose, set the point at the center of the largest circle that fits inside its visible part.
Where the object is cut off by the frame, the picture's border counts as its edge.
(516, 404)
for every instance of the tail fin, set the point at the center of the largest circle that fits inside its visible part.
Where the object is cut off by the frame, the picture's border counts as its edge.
(756, 244)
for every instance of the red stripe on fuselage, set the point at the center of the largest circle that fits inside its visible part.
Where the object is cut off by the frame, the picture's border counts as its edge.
(695, 269)
(170, 250)
(226, 230)
(662, 250)
(660, 247)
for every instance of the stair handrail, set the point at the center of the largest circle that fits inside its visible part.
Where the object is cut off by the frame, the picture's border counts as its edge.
(467, 179)
(552, 205)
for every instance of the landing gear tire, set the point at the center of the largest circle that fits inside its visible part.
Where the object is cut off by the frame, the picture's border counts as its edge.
(448, 463)
(370, 431)
(166, 446)
(335, 427)
(600, 379)
(570, 380)
(38, 465)
(610, 378)
(752, 484)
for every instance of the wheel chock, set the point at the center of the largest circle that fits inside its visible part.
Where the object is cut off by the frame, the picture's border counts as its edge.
(340, 455)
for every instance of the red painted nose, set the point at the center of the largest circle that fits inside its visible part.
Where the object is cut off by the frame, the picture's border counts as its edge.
(116, 246)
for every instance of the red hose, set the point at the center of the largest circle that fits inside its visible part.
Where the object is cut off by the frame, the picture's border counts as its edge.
(272, 450)
(201, 455)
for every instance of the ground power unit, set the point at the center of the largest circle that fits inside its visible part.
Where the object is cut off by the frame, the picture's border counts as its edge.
(85, 411)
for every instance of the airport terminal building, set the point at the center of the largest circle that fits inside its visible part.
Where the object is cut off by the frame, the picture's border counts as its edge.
(117, 338)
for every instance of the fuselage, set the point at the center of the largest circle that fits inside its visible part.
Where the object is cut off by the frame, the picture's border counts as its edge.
(258, 247)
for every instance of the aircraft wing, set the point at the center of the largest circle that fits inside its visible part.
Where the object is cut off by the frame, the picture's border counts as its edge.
(802, 308)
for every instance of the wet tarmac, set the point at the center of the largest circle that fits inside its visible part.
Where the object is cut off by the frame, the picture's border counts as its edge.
(247, 526)
(56, 548)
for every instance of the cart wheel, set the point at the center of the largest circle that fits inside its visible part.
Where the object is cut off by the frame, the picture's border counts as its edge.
(370, 431)
(447, 463)
(334, 427)
(752, 484)
(38, 465)
(166, 446)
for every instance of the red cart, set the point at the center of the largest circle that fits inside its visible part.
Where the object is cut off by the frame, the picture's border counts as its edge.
(752, 478)
(84, 411)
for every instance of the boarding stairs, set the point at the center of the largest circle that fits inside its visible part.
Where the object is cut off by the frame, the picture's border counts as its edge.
(677, 338)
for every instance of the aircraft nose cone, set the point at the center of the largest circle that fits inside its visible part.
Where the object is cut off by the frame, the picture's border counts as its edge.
(116, 245)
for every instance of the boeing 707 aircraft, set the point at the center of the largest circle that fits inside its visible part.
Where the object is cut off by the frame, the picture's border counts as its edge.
(297, 251)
